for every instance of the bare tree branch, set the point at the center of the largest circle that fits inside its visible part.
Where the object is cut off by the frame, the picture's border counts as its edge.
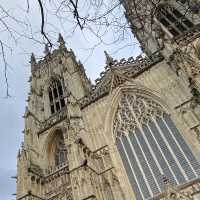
(5, 68)
(43, 23)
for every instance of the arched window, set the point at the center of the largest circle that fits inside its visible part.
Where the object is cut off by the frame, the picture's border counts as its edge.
(173, 20)
(56, 96)
(151, 146)
(60, 154)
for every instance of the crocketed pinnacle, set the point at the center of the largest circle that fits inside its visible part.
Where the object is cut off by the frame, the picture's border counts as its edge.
(109, 59)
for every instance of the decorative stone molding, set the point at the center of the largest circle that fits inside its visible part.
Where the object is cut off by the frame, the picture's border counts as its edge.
(134, 110)
(53, 120)
(128, 68)
(188, 36)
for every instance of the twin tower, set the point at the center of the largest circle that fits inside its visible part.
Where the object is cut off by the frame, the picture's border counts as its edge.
(135, 134)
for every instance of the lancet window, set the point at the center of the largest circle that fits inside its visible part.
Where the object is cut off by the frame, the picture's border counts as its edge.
(60, 150)
(173, 21)
(56, 96)
(151, 147)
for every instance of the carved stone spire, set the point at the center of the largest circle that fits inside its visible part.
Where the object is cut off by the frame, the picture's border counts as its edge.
(61, 41)
(46, 49)
(33, 60)
(109, 59)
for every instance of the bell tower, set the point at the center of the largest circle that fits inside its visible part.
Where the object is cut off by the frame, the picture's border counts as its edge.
(58, 159)
(54, 81)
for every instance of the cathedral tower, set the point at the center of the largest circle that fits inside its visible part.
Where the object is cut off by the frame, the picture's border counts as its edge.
(135, 134)
(170, 28)
(155, 23)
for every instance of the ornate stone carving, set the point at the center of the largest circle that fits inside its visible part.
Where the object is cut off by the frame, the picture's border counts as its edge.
(52, 120)
(128, 68)
(188, 36)
(134, 109)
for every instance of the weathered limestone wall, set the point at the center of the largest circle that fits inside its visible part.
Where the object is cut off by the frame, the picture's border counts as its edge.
(94, 121)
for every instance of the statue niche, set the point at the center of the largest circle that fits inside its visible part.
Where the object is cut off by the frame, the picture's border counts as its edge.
(57, 151)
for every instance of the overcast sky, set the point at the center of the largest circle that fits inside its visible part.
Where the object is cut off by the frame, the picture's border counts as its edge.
(12, 109)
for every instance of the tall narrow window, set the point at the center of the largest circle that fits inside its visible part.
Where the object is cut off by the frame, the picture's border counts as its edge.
(174, 21)
(151, 147)
(60, 150)
(56, 97)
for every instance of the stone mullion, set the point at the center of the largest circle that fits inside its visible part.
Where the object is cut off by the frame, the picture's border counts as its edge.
(58, 98)
(133, 114)
(170, 150)
(179, 20)
(172, 24)
(54, 100)
(171, 133)
(120, 119)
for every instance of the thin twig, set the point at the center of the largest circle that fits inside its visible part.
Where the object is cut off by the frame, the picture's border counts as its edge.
(5, 69)
(43, 23)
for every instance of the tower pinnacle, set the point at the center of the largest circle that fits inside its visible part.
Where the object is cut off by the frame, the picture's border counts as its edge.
(109, 59)
(33, 60)
(61, 41)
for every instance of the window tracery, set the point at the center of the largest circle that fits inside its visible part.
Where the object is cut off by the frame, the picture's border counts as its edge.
(56, 96)
(134, 107)
(151, 146)
(175, 22)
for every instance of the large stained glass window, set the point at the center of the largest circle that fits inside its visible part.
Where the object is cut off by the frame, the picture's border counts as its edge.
(151, 147)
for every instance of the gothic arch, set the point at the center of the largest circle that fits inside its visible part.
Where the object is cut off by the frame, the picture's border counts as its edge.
(112, 106)
(50, 78)
(51, 104)
(134, 88)
(50, 142)
(148, 142)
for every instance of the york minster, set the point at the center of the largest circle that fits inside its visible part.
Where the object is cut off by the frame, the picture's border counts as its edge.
(135, 133)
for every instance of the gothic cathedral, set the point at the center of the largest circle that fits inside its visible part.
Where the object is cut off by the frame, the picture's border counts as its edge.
(135, 134)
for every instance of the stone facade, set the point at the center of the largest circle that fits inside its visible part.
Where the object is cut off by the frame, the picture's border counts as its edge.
(70, 149)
